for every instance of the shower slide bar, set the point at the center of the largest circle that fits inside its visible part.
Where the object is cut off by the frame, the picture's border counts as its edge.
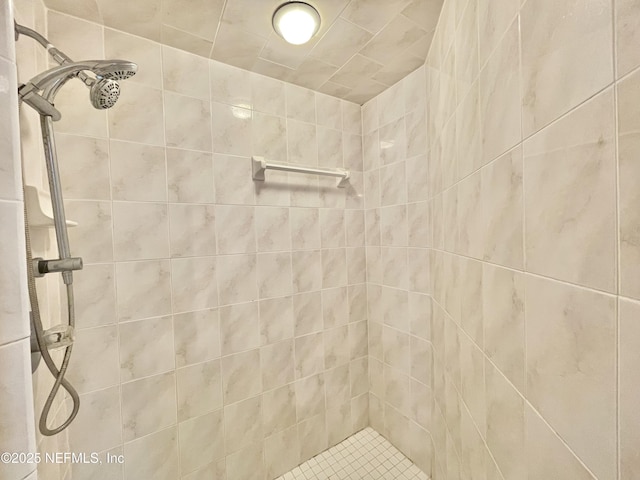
(259, 165)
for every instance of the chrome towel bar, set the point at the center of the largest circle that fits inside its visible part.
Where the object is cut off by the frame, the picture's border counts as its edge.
(259, 165)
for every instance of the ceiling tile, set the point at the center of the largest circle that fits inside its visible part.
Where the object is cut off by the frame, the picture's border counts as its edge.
(236, 46)
(141, 17)
(365, 91)
(334, 89)
(278, 51)
(180, 14)
(392, 40)
(185, 41)
(87, 9)
(352, 72)
(421, 47)
(398, 69)
(251, 15)
(329, 11)
(424, 12)
(271, 69)
(373, 15)
(362, 46)
(342, 41)
(312, 73)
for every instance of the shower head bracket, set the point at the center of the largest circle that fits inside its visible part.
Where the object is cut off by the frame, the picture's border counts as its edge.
(29, 95)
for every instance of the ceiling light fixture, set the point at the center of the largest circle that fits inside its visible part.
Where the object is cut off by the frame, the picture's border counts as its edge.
(296, 22)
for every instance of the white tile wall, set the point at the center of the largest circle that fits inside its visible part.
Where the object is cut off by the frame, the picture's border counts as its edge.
(398, 267)
(467, 255)
(17, 430)
(195, 277)
(531, 279)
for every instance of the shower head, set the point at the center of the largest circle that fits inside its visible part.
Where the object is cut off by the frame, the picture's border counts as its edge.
(115, 69)
(104, 89)
(110, 69)
(104, 93)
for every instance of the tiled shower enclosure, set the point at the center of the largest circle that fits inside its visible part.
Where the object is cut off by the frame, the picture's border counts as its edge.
(467, 308)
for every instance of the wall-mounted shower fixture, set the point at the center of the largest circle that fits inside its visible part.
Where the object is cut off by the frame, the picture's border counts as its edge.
(39, 93)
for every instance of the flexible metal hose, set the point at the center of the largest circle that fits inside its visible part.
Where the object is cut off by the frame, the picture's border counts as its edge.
(44, 350)
(38, 329)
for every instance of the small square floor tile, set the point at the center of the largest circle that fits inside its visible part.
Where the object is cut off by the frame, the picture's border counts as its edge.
(365, 455)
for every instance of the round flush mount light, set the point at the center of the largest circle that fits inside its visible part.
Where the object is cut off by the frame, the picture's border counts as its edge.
(296, 22)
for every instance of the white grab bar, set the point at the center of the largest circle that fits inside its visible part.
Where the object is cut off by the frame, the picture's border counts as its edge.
(259, 165)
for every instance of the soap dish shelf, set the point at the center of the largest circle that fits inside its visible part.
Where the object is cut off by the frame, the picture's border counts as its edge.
(39, 208)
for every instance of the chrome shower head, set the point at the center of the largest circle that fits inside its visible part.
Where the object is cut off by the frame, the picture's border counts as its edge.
(104, 93)
(110, 69)
(115, 69)
(104, 89)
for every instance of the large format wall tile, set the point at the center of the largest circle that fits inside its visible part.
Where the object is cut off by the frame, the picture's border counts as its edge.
(502, 195)
(134, 119)
(92, 238)
(494, 18)
(133, 163)
(522, 209)
(16, 409)
(149, 280)
(199, 389)
(148, 405)
(97, 427)
(505, 424)
(62, 31)
(571, 367)
(570, 197)
(17, 416)
(542, 442)
(201, 441)
(140, 231)
(629, 173)
(96, 355)
(187, 122)
(629, 425)
(95, 295)
(136, 362)
(14, 304)
(153, 456)
(499, 97)
(566, 57)
(85, 172)
(627, 20)
(10, 183)
(145, 53)
(178, 69)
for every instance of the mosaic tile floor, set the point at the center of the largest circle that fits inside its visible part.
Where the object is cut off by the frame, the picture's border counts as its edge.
(367, 455)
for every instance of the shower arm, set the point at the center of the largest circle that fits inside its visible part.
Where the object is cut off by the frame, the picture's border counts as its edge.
(50, 81)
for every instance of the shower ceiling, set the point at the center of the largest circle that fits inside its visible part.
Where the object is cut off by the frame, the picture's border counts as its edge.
(363, 46)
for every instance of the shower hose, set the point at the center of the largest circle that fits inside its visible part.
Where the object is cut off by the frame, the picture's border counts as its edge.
(36, 321)
(38, 329)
